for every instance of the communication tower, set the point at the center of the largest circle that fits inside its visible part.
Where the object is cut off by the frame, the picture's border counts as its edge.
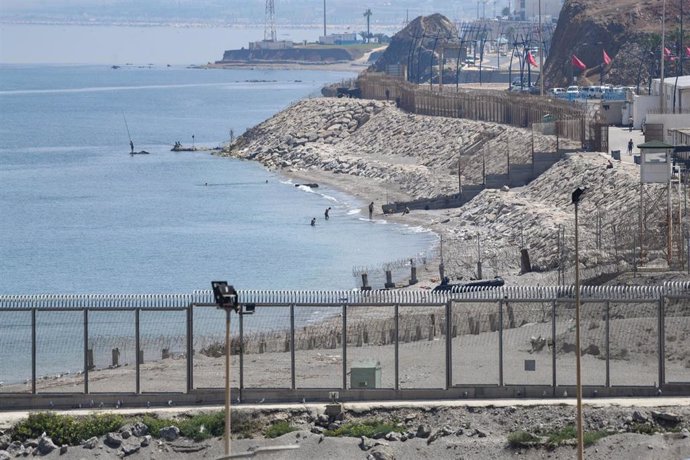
(270, 25)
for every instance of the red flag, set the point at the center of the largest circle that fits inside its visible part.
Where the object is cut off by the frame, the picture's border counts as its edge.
(607, 59)
(667, 52)
(531, 60)
(576, 62)
(687, 51)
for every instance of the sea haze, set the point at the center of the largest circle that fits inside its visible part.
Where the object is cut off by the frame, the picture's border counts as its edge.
(80, 215)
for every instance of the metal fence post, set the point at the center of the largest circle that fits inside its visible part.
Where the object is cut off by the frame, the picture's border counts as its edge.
(553, 345)
(662, 343)
(292, 345)
(397, 350)
(500, 343)
(344, 347)
(137, 344)
(86, 351)
(449, 343)
(608, 344)
(33, 351)
(190, 348)
(241, 386)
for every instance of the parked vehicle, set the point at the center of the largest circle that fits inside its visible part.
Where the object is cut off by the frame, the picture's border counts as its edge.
(557, 91)
(573, 90)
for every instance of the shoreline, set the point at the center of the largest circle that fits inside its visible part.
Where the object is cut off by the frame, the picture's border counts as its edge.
(367, 190)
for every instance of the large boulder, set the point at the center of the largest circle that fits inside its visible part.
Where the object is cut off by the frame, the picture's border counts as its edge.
(45, 445)
(169, 433)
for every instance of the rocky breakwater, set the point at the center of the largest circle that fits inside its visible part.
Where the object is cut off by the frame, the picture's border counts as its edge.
(416, 155)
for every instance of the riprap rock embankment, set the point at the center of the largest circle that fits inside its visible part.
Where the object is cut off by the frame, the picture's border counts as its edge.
(416, 156)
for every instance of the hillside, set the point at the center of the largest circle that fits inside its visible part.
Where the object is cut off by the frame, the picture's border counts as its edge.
(628, 30)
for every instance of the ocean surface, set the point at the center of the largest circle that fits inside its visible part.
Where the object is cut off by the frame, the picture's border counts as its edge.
(81, 215)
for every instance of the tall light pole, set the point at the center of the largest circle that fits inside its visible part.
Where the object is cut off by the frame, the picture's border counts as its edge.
(662, 99)
(324, 18)
(577, 194)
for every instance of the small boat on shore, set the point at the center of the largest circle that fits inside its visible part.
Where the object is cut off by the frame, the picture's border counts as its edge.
(182, 148)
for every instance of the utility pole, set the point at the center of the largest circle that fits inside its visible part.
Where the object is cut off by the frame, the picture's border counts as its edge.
(324, 18)
(541, 57)
(662, 101)
(367, 14)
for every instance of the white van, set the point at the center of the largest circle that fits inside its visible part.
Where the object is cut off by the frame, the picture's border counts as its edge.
(591, 92)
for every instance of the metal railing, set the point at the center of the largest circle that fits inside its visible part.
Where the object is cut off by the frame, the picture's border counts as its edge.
(508, 341)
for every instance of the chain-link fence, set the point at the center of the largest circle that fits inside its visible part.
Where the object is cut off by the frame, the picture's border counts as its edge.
(347, 340)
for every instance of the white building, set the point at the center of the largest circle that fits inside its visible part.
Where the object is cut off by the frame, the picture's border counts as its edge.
(675, 89)
(338, 39)
(270, 45)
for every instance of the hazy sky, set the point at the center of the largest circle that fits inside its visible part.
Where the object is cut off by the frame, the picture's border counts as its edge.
(235, 11)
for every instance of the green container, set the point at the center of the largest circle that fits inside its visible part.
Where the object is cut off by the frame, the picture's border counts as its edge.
(366, 374)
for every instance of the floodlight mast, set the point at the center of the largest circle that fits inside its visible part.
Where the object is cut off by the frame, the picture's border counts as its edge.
(576, 197)
(226, 298)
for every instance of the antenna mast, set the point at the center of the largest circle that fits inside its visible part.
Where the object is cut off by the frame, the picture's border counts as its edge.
(270, 25)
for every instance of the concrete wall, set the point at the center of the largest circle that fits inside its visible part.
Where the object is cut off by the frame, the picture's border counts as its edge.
(519, 175)
(670, 121)
(544, 160)
(615, 112)
(642, 105)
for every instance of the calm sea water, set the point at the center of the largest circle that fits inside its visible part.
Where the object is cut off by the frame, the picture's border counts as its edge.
(80, 215)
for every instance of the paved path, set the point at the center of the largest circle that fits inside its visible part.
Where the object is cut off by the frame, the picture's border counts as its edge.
(618, 140)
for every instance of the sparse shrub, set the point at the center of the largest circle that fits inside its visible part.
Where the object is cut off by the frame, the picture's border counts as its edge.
(368, 428)
(279, 429)
(642, 428)
(559, 437)
(66, 429)
(569, 433)
(518, 439)
(590, 437)
(205, 425)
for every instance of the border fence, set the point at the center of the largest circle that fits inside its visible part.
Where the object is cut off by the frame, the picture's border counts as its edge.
(376, 345)
(571, 119)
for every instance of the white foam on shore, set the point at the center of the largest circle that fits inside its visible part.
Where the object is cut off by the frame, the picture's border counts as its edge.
(354, 211)
(417, 229)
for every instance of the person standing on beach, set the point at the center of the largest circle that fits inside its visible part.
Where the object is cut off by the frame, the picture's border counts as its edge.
(325, 214)
(630, 147)
(313, 222)
(630, 124)
(131, 146)
(371, 209)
